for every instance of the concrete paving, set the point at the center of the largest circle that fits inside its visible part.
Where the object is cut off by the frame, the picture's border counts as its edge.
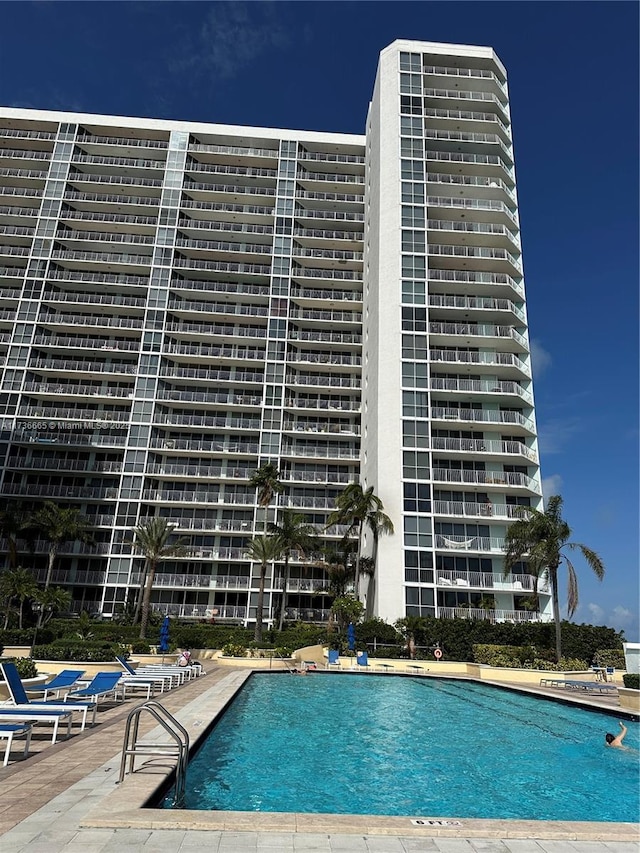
(65, 798)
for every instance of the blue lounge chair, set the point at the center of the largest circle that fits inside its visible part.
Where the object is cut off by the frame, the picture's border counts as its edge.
(8, 732)
(23, 703)
(333, 658)
(65, 679)
(362, 659)
(103, 684)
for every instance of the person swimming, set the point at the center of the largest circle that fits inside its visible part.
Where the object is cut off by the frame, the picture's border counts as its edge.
(616, 740)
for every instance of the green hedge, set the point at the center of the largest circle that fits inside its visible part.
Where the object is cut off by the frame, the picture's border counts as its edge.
(26, 666)
(24, 637)
(76, 651)
(610, 657)
(631, 680)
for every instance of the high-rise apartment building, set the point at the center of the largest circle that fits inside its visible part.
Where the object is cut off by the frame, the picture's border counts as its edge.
(182, 302)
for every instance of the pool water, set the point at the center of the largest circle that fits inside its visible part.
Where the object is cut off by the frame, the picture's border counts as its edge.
(354, 744)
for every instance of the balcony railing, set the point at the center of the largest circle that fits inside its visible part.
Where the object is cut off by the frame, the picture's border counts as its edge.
(84, 366)
(502, 359)
(479, 445)
(487, 478)
(481, 415)
(304, 614)
(470, 303)
(482, 510)
(491, 615)
(34, 490)
(226, 447)
(482, 386)
(483, 330)
(201, 611)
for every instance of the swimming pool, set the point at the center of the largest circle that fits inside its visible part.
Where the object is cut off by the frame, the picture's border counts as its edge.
(353, 744)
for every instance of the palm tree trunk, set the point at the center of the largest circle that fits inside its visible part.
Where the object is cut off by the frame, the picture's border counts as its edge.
(357, 570)
(284, 591)
(136, 613)
(260, 605)
(553, 580)
(20, 609)
(146, 601)
(53, 550)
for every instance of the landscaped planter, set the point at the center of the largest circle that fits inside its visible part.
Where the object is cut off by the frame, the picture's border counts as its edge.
(28, 682)
(629, 699)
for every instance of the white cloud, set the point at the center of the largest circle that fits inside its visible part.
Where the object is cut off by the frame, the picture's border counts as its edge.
(233, 36)
(597, 613)
(621, 617)
(551, 485)
(540, 358)
(554, 434)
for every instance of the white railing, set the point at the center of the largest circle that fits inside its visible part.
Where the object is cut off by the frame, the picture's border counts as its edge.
(491, 615)
(480, 445)
(486, 415)
(201, 611)
(482, 510)
(323, 451)
(485, 330)
(482, 386)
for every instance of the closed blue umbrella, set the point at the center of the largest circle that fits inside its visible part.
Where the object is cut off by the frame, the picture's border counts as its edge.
(351, 637)
(163, 645)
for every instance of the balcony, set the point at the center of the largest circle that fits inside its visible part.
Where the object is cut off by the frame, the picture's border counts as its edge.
(491, 615)
(485, 187)
(322, 451)
(493, 359)
(71, 389)
(220, 329)
(218, 225)
(485, 478)
(340, 215)
(122, 140)
(94, 299)
(75, 492)
(242, 151)
(227, 447)
(90, 367)
(479, 330)
(476, 510)
(322, 381)
(482, 386)
(492, 416)
(325, 358)
(475, 303)
(49, 464)
(486, 580)
(307, 614)
(93, 415)
(478, 204)
(495, 259)
(221, 612)
(236, 353)
(478, 445)
(51, 319)
(205, 421)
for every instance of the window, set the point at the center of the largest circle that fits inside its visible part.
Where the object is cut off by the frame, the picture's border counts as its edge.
(414, 266)
(411, 84)
(415, 404)
(412, 217)
(410, 126)
(412, 170)
(410, 62)
(413, 241)
(415, 375)
(415, 465)
(412, 193)
(417, 497)
(413, 291)
(412, 148)
(414, 319)
(415, 434)
(414, 347)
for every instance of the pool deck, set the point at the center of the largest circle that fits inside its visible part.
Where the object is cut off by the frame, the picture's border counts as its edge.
(65, 797)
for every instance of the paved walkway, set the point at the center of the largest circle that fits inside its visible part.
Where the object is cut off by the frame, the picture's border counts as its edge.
(49, 803)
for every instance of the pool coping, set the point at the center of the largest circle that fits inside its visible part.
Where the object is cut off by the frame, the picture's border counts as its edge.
(126, 807)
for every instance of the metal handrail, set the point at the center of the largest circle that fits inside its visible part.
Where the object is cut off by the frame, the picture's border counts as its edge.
(133, 747)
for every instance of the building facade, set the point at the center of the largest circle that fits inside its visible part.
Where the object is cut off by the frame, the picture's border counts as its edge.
(182, 302)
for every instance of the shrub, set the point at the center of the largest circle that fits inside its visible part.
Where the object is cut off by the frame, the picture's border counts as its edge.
(610, 657)
(26, 666)
(74, 651)
(140, 647)
(234, 650)
(631, 680)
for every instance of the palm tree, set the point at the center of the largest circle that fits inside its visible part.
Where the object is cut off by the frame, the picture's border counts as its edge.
(52, 600)
(356, 508)
(293, 534)
(266, 482)
(59, 525)
(263, 549)
(15, 524)
(540, 537)
(153, 541)
(17, 583)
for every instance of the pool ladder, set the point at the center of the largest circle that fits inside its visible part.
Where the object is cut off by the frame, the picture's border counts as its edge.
(179, 748)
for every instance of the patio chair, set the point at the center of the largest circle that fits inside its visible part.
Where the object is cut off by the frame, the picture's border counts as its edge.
(12, 715)
(23, 703)
(362, 658)
(64, 680)
(8, 732)
(333, 659)
(103, 684)
(166, 680)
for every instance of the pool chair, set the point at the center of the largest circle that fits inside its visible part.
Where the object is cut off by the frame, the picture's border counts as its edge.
(362, 658)
(103, 684)
(9, 732)
(23, 703)
(166, 680)
(64, 681)
(333, 659)
(9, 714)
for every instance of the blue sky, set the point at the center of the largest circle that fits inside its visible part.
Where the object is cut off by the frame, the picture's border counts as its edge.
(573, 78)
